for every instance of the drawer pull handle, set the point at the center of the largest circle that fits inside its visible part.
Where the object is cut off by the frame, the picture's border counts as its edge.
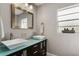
(35, 52)
(35, 46)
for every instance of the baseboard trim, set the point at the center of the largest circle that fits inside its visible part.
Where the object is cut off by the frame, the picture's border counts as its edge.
(50, 54)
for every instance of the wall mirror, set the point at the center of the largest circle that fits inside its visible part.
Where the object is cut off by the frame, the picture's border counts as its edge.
(20, 17)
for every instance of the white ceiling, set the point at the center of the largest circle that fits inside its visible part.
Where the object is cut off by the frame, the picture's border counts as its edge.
(59, 5)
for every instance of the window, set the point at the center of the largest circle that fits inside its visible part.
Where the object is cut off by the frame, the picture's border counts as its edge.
(68, 17)
(24, 23)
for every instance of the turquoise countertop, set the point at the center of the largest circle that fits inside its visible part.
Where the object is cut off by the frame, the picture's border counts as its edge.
(22, 46)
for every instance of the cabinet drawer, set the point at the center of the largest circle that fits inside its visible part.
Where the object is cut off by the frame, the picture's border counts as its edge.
(35, 47)
(33, 50)
(43, 52)
(43, 44)
(35, 53)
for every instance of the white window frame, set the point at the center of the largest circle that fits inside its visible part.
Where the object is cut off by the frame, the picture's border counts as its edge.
(68, 17)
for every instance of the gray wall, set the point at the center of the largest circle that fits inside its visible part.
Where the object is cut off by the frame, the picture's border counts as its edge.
(5, 13)
(47, 14)
(58, 44)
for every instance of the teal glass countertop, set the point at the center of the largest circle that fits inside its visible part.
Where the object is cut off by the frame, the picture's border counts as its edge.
(5, 51)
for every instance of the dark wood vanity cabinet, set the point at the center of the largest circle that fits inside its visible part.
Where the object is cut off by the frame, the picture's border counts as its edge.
(38, 49)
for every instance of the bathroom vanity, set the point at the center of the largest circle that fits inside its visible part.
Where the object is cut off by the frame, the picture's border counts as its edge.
(32, 47)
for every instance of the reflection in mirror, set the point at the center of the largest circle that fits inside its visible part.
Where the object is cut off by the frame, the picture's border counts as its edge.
(21, 18)
(1, 29)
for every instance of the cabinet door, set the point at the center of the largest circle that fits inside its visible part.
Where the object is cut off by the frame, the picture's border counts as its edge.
(43, 48)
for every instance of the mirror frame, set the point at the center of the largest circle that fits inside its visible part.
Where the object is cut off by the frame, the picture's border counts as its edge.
(13, 17)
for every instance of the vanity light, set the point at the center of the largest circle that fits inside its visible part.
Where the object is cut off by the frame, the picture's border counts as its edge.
(31, 7)
(26, 4)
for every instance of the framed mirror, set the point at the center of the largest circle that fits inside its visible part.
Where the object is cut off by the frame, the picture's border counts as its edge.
(21, 18)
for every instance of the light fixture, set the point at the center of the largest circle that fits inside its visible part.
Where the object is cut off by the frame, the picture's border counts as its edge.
(31, 7)
(26, 4)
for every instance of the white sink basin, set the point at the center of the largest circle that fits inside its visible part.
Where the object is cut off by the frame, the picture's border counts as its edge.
(11, 44)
